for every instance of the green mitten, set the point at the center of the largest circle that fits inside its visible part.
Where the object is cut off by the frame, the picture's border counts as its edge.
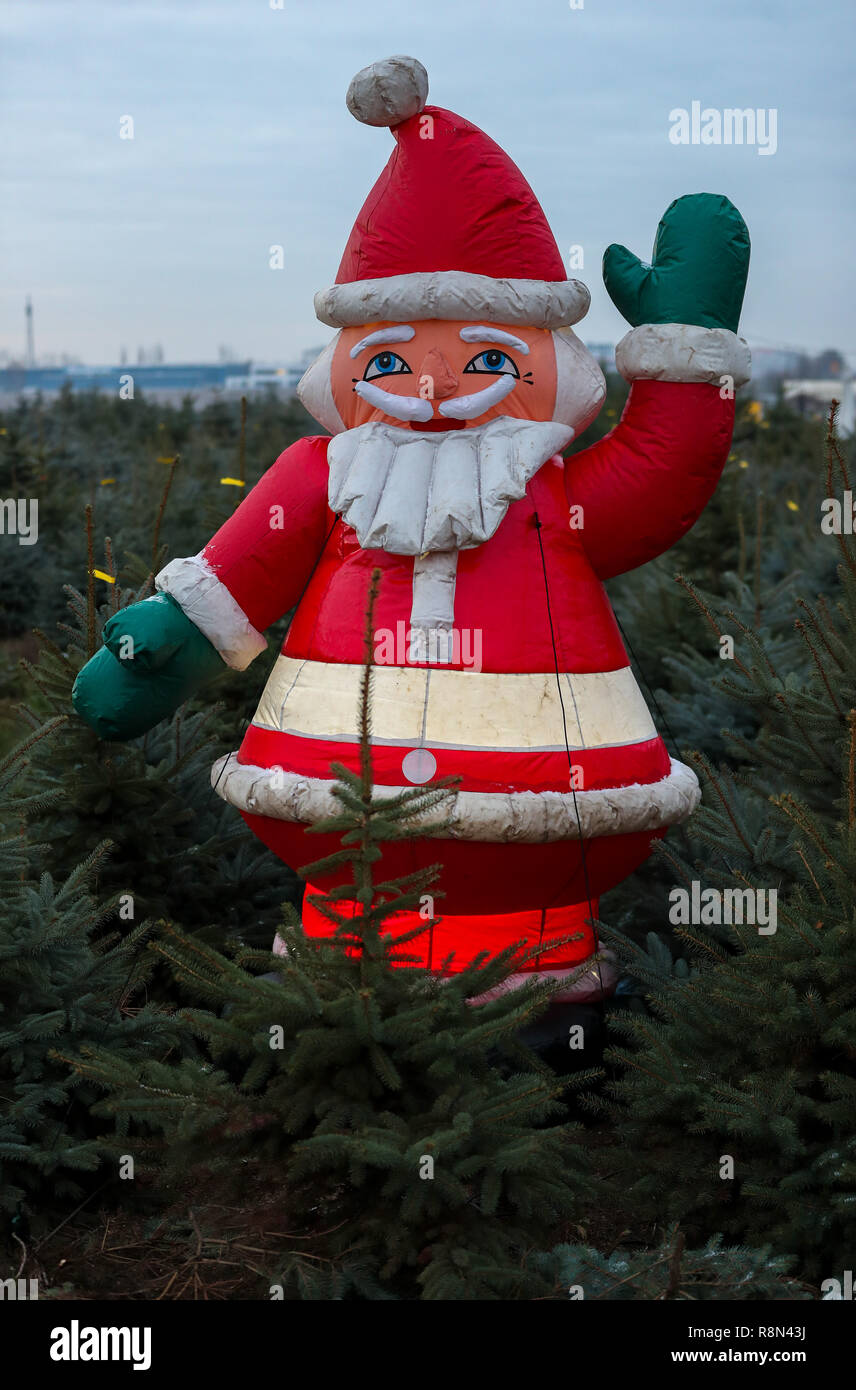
(153, 659)
(698, 269)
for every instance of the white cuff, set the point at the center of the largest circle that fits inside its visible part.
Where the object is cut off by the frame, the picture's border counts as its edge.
(205, 600)
(683, 352)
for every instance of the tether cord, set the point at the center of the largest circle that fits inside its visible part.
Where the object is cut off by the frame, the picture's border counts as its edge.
(654, 701)
(592, 922)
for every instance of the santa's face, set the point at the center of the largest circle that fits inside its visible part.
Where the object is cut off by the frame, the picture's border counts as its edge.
(437, 374)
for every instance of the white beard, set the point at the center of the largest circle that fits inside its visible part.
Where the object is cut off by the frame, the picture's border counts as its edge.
(411, 492)
(430, 495)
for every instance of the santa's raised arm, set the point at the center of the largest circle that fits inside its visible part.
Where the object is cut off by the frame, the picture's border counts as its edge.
(453, 384)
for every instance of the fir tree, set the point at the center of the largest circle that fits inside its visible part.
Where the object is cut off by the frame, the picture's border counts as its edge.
(116, 455)
(406, 1123)
(751, 1054)
(63, 984)
(670, 1272)
(751, 554)
(179, 852)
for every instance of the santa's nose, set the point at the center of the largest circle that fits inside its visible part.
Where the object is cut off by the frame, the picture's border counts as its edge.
(437, 380)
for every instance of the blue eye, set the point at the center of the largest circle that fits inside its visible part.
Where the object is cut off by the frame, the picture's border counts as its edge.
(492, 360)
(385, 364)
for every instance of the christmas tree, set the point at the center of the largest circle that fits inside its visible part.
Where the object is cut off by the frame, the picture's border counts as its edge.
(738, 1094)
(756, 1031)
(64, 984)
(405, 1121)
(178, 852)
(670, 1271)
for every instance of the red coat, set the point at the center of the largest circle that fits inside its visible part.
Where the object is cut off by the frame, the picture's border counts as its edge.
(504, 730)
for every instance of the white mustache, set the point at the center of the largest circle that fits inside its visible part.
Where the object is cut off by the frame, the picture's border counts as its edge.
(399, 407)
(417, 408)
(468, 407)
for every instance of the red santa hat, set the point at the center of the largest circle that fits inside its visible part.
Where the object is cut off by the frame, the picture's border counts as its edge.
(451, 229)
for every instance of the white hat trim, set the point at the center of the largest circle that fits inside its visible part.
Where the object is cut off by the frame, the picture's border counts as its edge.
(453, 294)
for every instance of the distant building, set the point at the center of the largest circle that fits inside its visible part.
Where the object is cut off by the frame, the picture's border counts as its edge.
(774, 370)
(604, 353)
(160, 381)
(157, 379)
(775, 362)
(813, 398)
(257, 379)
(282, 379)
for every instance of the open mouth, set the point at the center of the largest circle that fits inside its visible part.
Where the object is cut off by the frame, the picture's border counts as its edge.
(441, 424)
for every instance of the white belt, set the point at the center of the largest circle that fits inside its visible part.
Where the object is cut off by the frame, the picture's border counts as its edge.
(439, 708)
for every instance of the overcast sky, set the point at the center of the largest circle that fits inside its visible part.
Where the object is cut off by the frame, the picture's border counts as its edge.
(242, 140)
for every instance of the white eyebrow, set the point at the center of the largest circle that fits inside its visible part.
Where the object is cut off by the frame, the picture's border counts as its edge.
(401, 333)
(480, 333)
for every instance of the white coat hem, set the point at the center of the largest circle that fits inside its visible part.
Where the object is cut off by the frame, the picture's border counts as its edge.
(498, 817)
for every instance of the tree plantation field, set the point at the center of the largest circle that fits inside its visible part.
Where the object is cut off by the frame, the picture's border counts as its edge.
(396, 1143)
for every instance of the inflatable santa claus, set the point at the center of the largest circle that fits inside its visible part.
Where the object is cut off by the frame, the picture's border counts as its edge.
(450, 389)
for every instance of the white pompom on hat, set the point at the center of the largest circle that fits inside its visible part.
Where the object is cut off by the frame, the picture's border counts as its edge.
(451, 229)
(389, 91)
